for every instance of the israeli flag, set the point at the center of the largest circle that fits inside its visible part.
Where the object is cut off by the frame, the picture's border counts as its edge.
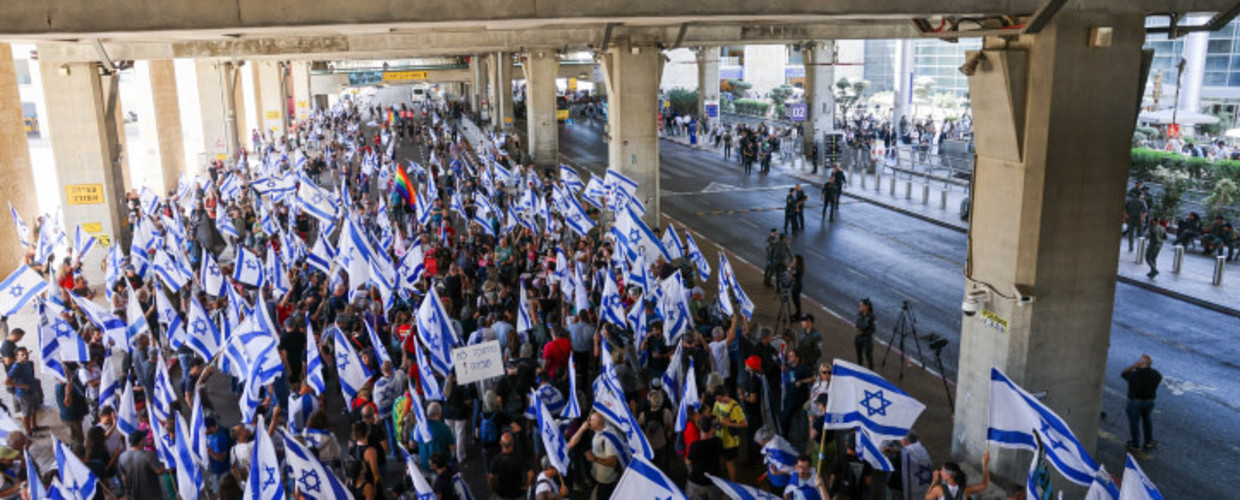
(736, 491)
(230, 187)
(264, 367)
(859, 397)
(552, 437)
(19, 289)
(275, 185)
(435, 330)
(314, 362)
(581, 299)
(113, 328)
(689, 398)
(643, 480)
(169, 271)
(729, 277)
(779, 455)
(380, 349)
(1103, 487)
(619, 189)
(204, 337)
(868, 450)
(639, 236)
(115, 262)
(723, 297)
(274, 269)
(170, 319)
(82, 242)
(594, 192)
(1015, 415)
(322, 254)
(609, 401)
(36, 490)
(137, 320)
(189, 472)
(636, 318)
(198, 431)
(353, 374)
(126, 414)
(72, 347)
(1136, 485)
(265, 482)
(211, 276)
(574, 214)
(613, 304)
(75, 477)
(411, 266)
(430, 386)
(316, 201)
(49, 354)
(165, 448)
(109, 381)
(164, 395)
(421, 488)
(225, 225)
(672, 243)
(355, 253)
(308, 475)
(249, 268)
(525, 322)
(572, 408)
(23, 232)
(571, 179)
(421, 430)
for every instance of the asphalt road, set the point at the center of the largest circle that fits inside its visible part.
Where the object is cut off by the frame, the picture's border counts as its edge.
(873, 252)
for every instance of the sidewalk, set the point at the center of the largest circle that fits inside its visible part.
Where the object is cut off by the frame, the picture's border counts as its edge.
(939, 203)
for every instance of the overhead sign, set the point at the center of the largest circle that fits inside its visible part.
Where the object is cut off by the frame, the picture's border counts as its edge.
(84, 194)
(796, 111)
(400, 76)
(572, 84)
(477, 362)
(365, 78)
(712, 109)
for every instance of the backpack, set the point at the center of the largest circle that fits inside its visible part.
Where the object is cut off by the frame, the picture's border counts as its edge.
(655, 431)
(488, 430)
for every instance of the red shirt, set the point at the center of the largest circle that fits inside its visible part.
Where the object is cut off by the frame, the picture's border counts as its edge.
(556, 356)
(691, 434)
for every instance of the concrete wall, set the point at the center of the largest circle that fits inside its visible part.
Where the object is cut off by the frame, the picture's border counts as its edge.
(680, 71)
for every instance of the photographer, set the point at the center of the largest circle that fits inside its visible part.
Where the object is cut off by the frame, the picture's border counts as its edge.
(865, 327)
(792, 282)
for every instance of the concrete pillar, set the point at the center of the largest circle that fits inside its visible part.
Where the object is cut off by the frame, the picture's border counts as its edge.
(476, 84)
(819, 60)
(903, 83)
(84, 140)
(1053, 149)
(159, 123)
(18, 186)
(253, 102)
(632, 74)
(270, 78)
(708, 78)
(1194, 54)
(501, 91)
(300, 82)
(542, 67)
(216, 97)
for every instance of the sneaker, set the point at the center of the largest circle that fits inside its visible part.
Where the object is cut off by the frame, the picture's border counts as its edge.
(1151, 445)
(1133, 446)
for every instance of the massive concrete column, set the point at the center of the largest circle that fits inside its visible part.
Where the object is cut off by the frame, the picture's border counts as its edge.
(632, 74)
(1053, 147)
(159, 123)
(542, 67)
(476, 84)
(216, 96)
(18, 186)
(501, 90)
(300, 76)
(819, 60)
(84, 140)
(1195, 48)
(274, 102)
(708, 78)
(903, 83)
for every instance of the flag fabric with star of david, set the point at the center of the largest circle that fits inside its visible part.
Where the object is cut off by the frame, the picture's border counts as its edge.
(642, 479)
(113, 328)
(1014, 417)
(308, 475)
(126, 414)
(859, 397)
(19, 289)
(353, 374)
(869, 451)
(165, 395)
(1136, 485)
(203, 337)
(265, 482)
(671, 241)
(613, 305)
(212, 277)
(23, 232)
(695, 255)
(314, 362)
(1103, 487)
(75, 478)
(189, 473)
(48, 356)
(917, 471)
(436, 332)
(322, 254)
(316, 201)
(421, 487)
(639, 236)
(736, 491)
(249, 268)
(728, 276)
(430, 386)
(552, 437)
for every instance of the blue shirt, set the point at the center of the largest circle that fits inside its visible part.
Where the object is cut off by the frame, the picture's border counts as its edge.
(220, 443)
(23, 373)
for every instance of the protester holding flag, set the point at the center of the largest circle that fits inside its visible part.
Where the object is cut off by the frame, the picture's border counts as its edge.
(950, 481)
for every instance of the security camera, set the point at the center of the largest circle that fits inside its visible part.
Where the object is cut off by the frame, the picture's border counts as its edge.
(973, 301)
(1023, 297)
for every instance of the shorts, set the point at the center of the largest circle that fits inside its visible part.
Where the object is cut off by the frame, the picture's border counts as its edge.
(29, 404)
(731, 453)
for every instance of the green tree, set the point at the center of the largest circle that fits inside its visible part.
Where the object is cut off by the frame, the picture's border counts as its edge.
(1225, 121)
(683, 101)
(1223, 197)
(923, 88)
(739, 88)
(1174, 183)
(848, 94)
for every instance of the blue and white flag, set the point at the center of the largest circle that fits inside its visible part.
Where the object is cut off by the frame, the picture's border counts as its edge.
(729, 277)
(412, 266)
(265, 482)
(264, 367)
(115, 262)
(619, 189)
(421, 487)
(36, 490)
(275, 186)
(595, 193)
(274, 271)
(672, 243)
(571, 179)
(169, 271)
(552, 437)
(76, 478)
(430, 386)
(609, 401)
(113, 328)
(19, 289)
(137, 324)
(198, 430)
(636, 318)
(109, 381)
(422, 429)
(1103, 487)
(164, 397)
(82, 242)
(674, 376)
(613, 304)
(314, 362)
(639, 236)
(165, 448)
(23, 232)
(249, 268)
(354, 253)
(869, 451)
(737, 491)
(525, 320)
(689, 398)
(189, 471)
(779, 455)
(859, 397)
(322, 254)
(48, 357)
(212, 277)
(723, 296)
(73, 347)
(171, 320)
(643, 480)
(308, 475)
(203, 336)
(126, 412)
(1014, 417)
(1136, 485)
(381, 352)
(574, 214)
(572, 408)
(225, 224)
(353, 374)
(316, 201)
(435, 330)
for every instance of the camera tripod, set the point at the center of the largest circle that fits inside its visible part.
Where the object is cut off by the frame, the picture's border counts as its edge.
(906, 326)
(783, 319)
(936, 344)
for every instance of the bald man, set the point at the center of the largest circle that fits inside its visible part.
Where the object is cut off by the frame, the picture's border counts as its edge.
(509, 474)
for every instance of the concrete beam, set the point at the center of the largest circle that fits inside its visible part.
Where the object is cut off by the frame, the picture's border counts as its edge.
(50, 19)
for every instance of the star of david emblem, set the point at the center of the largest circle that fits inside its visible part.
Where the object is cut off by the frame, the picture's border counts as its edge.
(342, 360)
(271, 477)
(199, 326)
(74, 488)
(17, 290)
(1050, 436)
(251, 265)
(318, 198)
(271, 183)
(924, 474)
(882, 403)
(213, 268)
(346, 260)
(634, 234)
(63, 328)
(309, 481)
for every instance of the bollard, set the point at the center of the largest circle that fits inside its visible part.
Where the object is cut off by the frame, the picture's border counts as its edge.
(925, 194)
(943, 199)
(1178, 261)
(862, 182)
(1220, 262)
(891, 186)
(1140, 251)
(908, 189)
(878, 180)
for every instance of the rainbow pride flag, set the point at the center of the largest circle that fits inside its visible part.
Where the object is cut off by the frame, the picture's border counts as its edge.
(404, 186)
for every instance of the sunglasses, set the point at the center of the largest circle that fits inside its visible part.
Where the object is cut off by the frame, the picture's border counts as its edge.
(825, 372)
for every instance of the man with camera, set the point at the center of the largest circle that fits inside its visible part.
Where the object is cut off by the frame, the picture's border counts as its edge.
(1142, 389)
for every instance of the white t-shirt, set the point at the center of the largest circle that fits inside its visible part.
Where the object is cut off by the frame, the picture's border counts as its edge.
(602, 448)
(87, 374)
(547, 485)
(719, 357)
(241, 455)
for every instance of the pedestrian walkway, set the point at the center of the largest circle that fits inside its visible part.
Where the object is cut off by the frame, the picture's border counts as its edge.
(941, 203)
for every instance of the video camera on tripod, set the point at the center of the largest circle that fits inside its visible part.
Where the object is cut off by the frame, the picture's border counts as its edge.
(935, 343)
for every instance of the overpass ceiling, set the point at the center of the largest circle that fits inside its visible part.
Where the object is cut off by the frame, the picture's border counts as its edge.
(160, 29)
